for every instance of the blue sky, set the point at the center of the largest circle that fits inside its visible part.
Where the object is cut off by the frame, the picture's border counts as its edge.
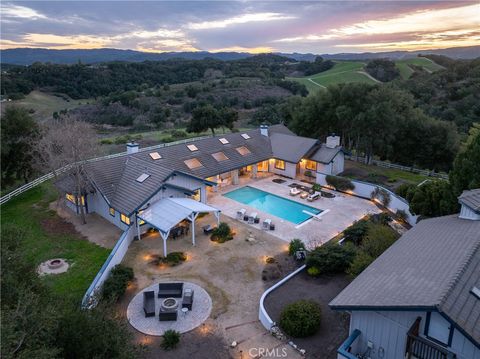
(282, 26)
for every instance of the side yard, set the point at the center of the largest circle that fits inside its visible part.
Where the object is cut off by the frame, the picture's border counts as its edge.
(49, 236)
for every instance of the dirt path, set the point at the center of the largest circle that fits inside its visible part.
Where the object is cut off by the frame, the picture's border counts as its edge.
(369, 76)
(313, 82)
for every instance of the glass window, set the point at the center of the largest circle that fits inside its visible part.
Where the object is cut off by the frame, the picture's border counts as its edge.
(196, 196)
(245, 136)
(112, 211)
(142, 177)
(81, 200)
(193, 163)
(70, 197)
(140, 221)
(243, 150)
(280, 165)
(311, 165)
(192, 148)
(220, 156)
(223, 140)
(124, 219)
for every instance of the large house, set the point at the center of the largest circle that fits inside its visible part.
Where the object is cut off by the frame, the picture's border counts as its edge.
(120, 189)
(421, 297)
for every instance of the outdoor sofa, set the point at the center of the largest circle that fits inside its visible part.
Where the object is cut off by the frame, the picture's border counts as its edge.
(187, 301)
(149, 303)
(170, 290)
(167, 316)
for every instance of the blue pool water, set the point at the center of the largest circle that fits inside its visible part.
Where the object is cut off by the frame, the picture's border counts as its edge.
(275, 205)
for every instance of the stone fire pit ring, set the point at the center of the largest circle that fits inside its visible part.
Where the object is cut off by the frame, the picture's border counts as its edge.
(53, 266)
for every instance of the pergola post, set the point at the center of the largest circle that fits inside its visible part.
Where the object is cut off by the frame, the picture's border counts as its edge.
(254, 170)
(138, 228)
(164, 237)
(217, 216)
(192, 218)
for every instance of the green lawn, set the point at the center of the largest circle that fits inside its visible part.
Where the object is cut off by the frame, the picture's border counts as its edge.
(342, 72)
(406, 71)
(28, 211)
(45, 104)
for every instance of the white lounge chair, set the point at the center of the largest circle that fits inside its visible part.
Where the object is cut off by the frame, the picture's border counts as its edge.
(294, 191)
(241, 213)
(266, 224)
(314, 196)
(252, 217)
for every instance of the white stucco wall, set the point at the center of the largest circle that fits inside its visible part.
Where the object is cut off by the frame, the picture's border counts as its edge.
(338, 163)
(290, 169)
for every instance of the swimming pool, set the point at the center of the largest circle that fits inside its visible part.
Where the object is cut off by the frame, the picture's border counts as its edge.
(275, 205)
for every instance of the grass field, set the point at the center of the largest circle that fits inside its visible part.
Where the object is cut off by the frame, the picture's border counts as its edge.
(352, 71)
(343, 71)
(31, 213)
(45, 104)
(406, 71)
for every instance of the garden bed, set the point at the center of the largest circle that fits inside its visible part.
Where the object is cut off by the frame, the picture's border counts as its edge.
(334, 325)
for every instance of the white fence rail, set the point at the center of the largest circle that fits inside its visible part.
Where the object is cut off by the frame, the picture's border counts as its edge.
(44, 178)
(399, 167)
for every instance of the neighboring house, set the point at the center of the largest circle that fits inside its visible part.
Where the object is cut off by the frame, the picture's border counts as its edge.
(121, 188)
(421, 297)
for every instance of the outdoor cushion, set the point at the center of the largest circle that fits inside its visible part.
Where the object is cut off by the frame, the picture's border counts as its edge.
(170, 290)
(149, 303)
(167, 316)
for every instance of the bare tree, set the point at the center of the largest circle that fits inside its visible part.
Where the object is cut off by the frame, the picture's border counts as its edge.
(68, 141)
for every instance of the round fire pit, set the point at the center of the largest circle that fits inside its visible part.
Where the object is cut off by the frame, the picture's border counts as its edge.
(169, 304)
(55, 263)
(53, 266)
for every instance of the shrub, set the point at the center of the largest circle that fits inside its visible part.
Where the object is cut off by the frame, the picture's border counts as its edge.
(382, 195)
(403, 189)
(171, 338)
(295, 245)
(317, 187)
(222, 233)
(379, 237)
(356, 232)
(340, 183)
(381, 218)
(331, 258)
(313, 271)
(361, 261)
(175, 258)
(117, 282)
(401, 216)
(300, 319)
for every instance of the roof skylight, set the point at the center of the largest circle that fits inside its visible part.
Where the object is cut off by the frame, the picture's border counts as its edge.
(245, 136)
(243, 150)
(192, 148)
(476, 292)
(193, 163)
(223, 140)
(142, 177)
(220, 156)
(155, 155)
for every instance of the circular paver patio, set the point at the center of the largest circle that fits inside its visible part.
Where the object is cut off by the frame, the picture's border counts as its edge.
(202, 306)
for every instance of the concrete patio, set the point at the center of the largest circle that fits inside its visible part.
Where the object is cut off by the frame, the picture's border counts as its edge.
(343, 210)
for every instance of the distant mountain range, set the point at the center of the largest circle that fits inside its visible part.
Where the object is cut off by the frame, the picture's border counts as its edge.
(27, 56)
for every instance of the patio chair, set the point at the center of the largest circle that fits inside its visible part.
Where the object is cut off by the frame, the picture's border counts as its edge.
(313, 197)
(266, 224)
(149, 303)
(241, 213)
(294, 191)
(170, 290)
(208, 229)
(187, 301)
(252, 217)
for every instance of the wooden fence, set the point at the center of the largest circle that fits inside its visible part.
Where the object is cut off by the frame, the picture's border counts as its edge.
(48, 176)
(399, 167)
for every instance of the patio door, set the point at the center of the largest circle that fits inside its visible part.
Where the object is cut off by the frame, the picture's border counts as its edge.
(262, 166)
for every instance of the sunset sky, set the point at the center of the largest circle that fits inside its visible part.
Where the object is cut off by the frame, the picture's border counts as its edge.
(281, 26)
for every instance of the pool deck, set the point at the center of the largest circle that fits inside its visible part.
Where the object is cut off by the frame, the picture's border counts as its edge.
(338, 212)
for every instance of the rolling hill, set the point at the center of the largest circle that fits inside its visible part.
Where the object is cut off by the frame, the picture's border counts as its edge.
(352, 71)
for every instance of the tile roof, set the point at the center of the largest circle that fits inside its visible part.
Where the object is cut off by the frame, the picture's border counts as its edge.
(471, 199)
(290, 148)
(433, 265)
(325, 154)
